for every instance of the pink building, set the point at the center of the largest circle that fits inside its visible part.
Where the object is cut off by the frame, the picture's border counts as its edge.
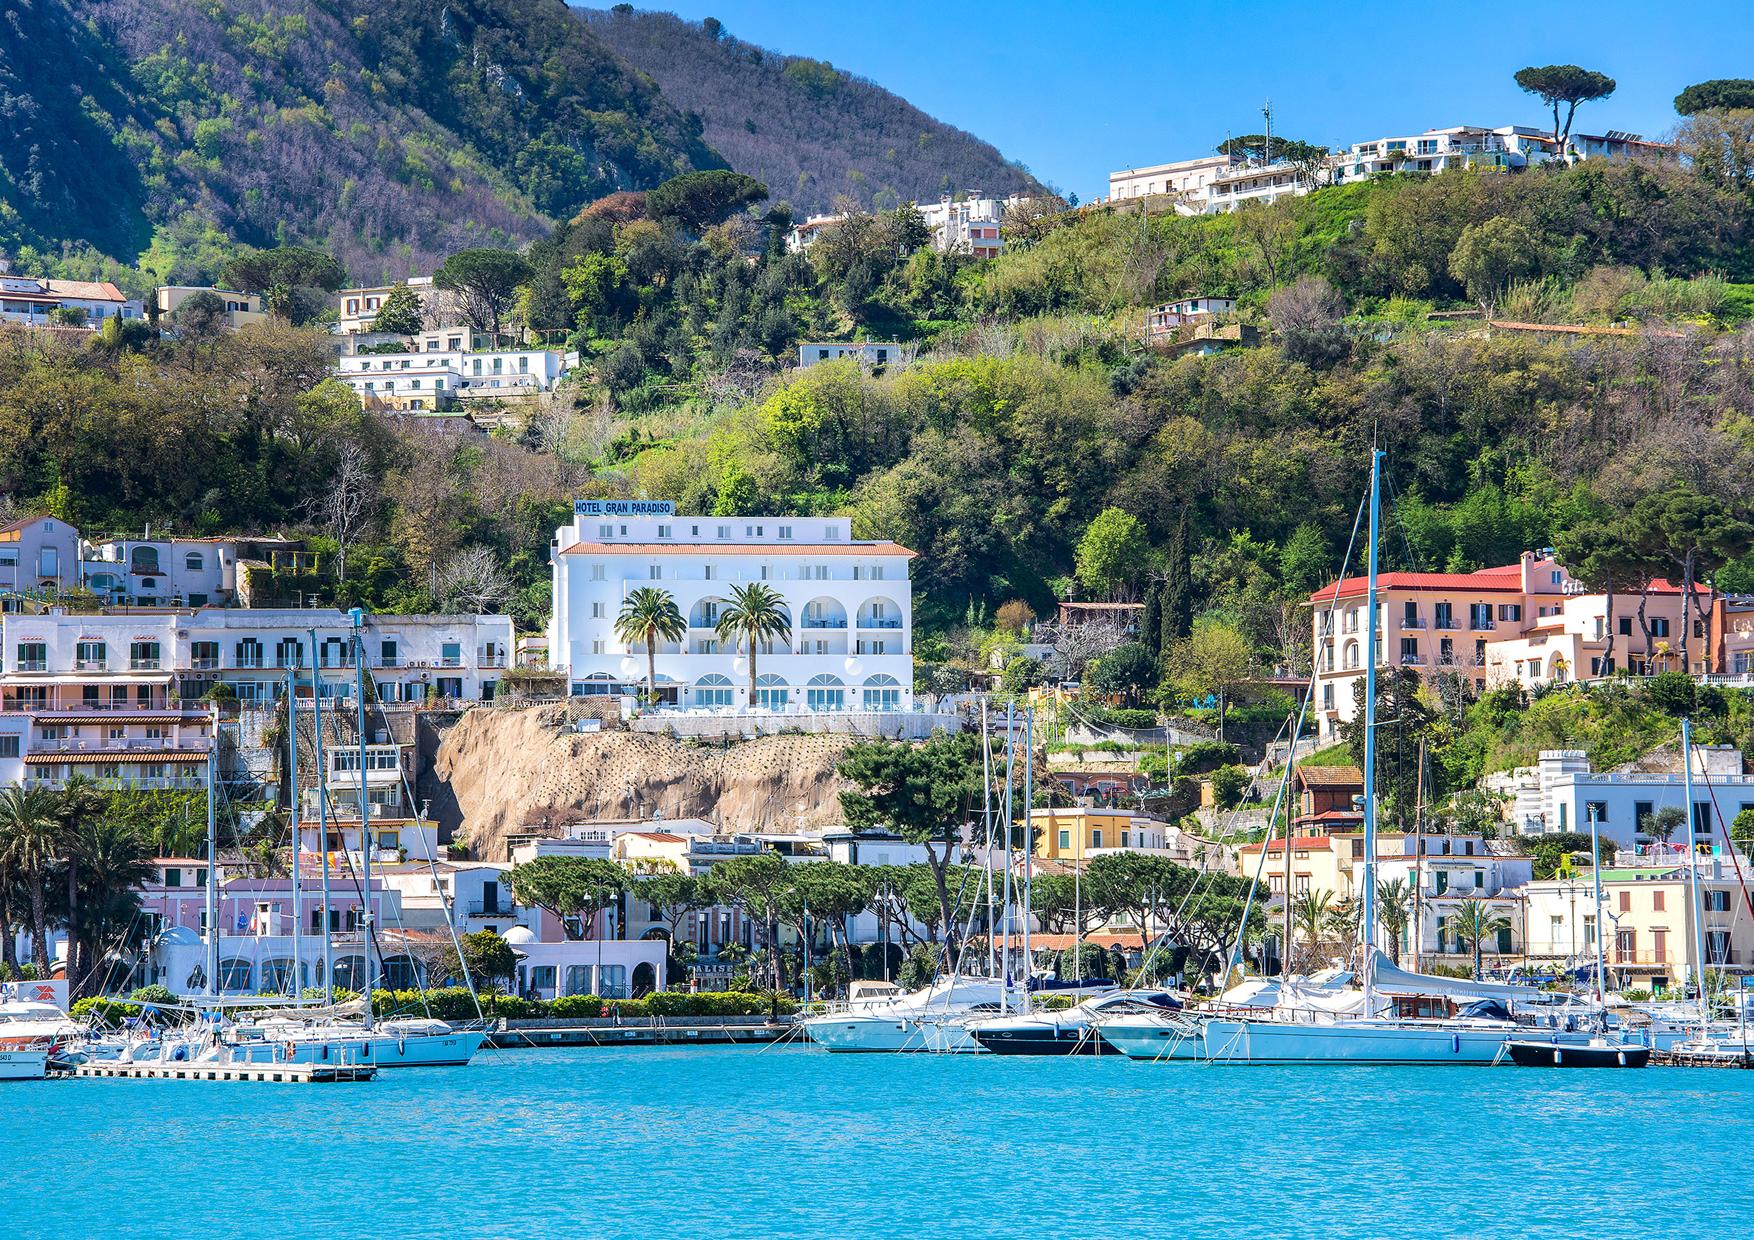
(1527, 622)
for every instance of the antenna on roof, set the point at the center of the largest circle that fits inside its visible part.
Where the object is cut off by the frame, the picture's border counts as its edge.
(1267, 115)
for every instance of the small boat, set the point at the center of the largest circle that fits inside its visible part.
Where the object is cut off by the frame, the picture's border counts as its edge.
(1596, 1053)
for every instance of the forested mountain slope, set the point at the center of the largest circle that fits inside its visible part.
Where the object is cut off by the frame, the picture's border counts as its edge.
(391, 132)
(808, 130)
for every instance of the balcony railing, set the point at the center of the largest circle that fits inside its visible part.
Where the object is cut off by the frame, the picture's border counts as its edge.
(495, 908)
(142, 783)
(33, 665)
(823, 623)
(491, 660)
(454, 660)
(204, 665)
(1412, 622)
(873, 622)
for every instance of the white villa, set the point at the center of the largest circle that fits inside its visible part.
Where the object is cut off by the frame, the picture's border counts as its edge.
(850, 603)
(417, 380)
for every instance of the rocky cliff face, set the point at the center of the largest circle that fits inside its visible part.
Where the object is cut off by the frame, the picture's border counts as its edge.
(507, 768)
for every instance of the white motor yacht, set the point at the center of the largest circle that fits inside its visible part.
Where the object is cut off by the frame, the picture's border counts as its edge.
(933, 1019)
(339, 1035)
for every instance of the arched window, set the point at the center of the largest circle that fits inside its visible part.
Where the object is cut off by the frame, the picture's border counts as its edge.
(882, 692)
(194, 562)
(1351, 654)
(772, 691)
(825, 692)
(143, 560)
(713, 690)
(234, 975)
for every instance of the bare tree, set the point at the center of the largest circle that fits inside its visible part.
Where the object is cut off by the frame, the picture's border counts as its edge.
(1076, 645)
(344, 507)
(472, 580)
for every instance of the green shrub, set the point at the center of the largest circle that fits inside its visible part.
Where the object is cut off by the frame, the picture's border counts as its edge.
(1205, 756)
(1124, 717)
(1229, 786)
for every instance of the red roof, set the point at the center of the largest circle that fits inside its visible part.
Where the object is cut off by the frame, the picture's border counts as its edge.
(1487, 580)
(1297, 841)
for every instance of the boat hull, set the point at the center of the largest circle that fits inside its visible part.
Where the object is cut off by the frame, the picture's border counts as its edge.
(890, 1035)
(1359, 1042)
(1041, 1040)
(1154, 1042)
(23, 1065)
(1548, 1055)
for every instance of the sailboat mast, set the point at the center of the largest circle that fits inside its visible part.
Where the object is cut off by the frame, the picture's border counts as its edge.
(1005, 818)
(1369, 937)
(987, 816)
(298, 960)
(1698, 953)
(1596, 870)
(322, 820)
(1418, 853)
(365, 814)
(213, 856)
(1028, 839)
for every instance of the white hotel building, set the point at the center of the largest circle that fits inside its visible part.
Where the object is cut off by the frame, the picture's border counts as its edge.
(850, 604)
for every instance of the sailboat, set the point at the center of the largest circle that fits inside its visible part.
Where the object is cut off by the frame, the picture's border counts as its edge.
(1377, 1023)
(940, 1017)
(295, 1032)
(1601, 1051)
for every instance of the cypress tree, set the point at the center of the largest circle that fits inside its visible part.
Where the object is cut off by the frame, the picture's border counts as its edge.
(1151, 622)
(1177, 602)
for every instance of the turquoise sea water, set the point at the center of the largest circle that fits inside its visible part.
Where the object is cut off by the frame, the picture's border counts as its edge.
(736, 1142)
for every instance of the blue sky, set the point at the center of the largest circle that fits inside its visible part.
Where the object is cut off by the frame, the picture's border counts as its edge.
(1074, 90)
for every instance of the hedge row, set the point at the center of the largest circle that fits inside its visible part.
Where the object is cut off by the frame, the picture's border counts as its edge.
(455, 1003)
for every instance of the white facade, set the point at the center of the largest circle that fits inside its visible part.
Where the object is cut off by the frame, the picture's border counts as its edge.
(871, 353)
(969, 226)
(1250, 183)
(32, 300)
(418, 380)
(1508, 147)
(154, 572)
(850, 604)
(1185, 179)
(1559, 793)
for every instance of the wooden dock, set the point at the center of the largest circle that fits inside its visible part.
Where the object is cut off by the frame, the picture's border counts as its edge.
(524, 1035)
(278, 1073)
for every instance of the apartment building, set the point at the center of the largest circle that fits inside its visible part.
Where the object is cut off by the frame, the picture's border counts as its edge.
(1561, 793)
(849, 603)
(36, 301)
(1247, 183)
(1078, 834)
(117, 697)
(1648, 938)
(355, 308)
(167, 571)
(422, 380)
(1508, 147)
(241, 309)
(969, 225)
(1186, 180)
(1528, 622)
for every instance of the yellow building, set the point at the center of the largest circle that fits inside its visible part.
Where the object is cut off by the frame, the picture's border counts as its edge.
(1649, 936)
(241, 309)
(1074, 834)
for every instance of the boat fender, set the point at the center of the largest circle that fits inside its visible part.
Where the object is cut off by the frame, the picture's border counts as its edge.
(1456, 1043)
(1622, 1059)
(1558, 1056)
(401, 1046)
(290, 1050)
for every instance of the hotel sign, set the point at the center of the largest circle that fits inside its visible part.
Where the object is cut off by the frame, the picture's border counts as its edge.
(623, 508)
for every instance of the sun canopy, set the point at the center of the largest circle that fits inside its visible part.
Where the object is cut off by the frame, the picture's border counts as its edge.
(1391, 978)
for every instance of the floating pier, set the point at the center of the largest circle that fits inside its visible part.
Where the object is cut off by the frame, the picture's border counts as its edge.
(1728, 1057)
(522, 1034)
(279, 1073)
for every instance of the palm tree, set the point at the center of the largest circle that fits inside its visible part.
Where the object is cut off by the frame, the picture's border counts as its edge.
(1341, 921)
(30, 836)
(79, 804)
(1308, 912)
(113, 859)
(650, 615)
(755, 614)
(1473, 922)
(1394, 901)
